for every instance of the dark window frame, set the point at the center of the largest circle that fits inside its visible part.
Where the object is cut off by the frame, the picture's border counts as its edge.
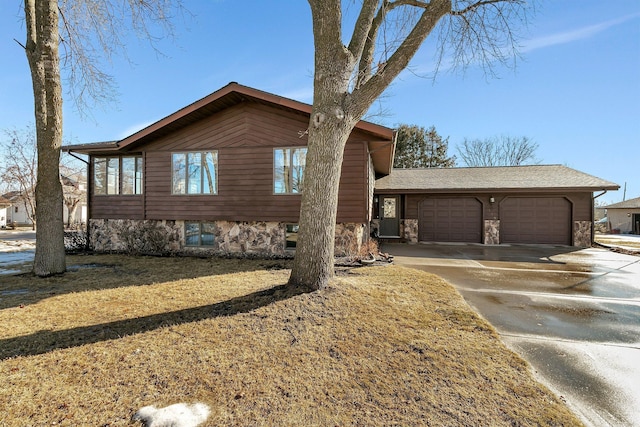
(104, 190)
(202, 167)
(207, 242)
(286, 179)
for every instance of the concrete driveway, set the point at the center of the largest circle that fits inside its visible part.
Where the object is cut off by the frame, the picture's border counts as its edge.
(574, 315)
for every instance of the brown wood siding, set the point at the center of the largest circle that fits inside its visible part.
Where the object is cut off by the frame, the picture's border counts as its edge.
(244, 136)
(117, 207)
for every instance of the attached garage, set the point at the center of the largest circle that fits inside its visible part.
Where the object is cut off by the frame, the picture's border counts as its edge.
(537, 204)
(540, 220)
(450, 220)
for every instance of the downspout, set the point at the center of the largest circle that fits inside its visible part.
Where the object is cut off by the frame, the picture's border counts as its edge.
(89, 186)
(593, 215)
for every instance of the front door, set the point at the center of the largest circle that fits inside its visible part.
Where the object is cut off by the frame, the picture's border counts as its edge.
(389, 216)
(635, 223)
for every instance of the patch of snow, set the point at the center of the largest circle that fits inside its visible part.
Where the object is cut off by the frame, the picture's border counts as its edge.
(14, 253)
(178, 415)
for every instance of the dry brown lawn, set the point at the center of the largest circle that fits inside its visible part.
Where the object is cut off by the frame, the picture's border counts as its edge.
(381, 346)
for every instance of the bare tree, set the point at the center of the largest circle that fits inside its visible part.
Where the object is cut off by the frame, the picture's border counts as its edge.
(74, 191)
(90, 29)
(349, 76)
(498, 151)
(19, 168)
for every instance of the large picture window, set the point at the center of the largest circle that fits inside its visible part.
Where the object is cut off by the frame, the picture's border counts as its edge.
(194, 173)
(117, 175)
(288, 170)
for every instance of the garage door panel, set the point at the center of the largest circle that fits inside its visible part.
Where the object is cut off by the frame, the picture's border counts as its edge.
(450, 220)
(535, 220)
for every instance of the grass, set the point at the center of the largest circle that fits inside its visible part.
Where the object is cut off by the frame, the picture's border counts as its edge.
(381, 346)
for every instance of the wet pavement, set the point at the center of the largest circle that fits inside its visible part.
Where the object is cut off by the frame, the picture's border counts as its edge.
(573, 314)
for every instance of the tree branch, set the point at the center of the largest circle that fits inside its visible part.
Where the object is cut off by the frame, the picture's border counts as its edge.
(372, 88)
(361, 30)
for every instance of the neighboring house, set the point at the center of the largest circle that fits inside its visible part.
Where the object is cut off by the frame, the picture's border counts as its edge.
(19, 212)
(4, 205)
(624, 217)
(74, 191)
(224, 175)
(540, 204)
(15, 211)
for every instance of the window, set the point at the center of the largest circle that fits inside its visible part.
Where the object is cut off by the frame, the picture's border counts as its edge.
(117, 175)
(199, 233)
(194, 173)
(291, 236)
(288, 170)
(132, 175)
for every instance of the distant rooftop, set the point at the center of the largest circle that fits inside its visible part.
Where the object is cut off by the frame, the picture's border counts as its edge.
(627, 204)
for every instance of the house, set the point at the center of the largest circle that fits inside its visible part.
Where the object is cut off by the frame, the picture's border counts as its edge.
(74, 192)
(4, 205)
(224, 175)
(538, 204)
(16, 207)
(624, 217)
(19, 212)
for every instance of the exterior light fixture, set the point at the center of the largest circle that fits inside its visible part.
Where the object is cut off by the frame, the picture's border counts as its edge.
(492, 200)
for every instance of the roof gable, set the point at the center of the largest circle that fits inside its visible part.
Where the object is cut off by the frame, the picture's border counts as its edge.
(516, 178)
(381, 143)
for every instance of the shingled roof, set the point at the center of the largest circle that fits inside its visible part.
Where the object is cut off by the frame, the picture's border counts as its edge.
(627, 204)
(507, 178)
(381, 145)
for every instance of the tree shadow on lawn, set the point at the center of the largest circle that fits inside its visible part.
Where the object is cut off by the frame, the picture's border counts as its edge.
(101, 272)
(45, 341)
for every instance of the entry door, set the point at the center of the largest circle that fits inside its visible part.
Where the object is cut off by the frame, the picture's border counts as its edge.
(389, 216)
(635, 224)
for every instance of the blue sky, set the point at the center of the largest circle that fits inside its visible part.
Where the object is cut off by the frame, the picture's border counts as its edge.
(575, 91)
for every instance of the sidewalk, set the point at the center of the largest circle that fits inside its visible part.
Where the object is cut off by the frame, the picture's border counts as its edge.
(627, 242)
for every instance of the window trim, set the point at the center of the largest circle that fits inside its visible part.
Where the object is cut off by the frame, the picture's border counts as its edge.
(137, 178)
(289, 176)
(203, 157)
(293, 225)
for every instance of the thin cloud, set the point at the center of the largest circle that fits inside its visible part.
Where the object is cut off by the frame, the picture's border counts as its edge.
(571, 36)
(133, 129)
(302, 94)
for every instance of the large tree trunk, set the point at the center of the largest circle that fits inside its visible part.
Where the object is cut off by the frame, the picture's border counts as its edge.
(337, 108)
(42, 53)
(329, 129)
(313, 264)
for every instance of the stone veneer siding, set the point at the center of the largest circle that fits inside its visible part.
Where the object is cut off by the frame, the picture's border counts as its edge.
(165, 237)
(409, 230)
(582, 233)
(491, 231)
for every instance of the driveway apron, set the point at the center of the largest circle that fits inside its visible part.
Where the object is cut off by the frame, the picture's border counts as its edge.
(573, 314)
